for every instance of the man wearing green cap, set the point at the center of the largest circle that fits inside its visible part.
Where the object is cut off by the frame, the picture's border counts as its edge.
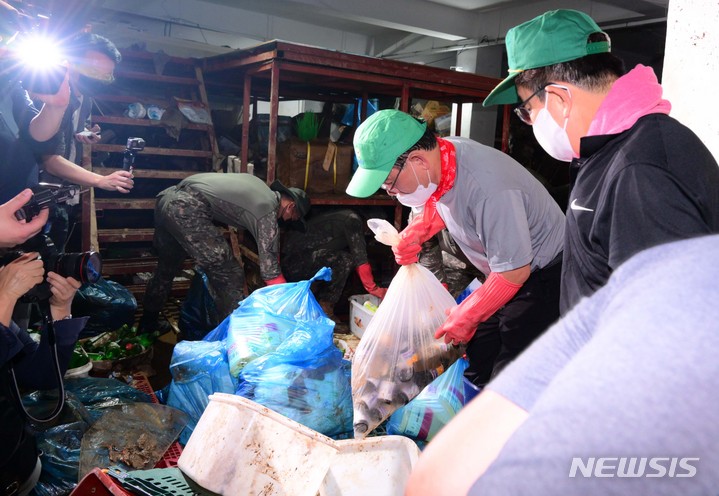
(640, 178)
(498, 216)
(185, 225)
(593, 389)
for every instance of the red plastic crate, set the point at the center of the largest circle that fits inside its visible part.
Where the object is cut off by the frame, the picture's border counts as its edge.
(169, 459)
(98, 483)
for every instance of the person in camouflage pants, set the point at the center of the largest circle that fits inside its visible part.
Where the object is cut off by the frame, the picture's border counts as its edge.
(333, 239)
(185, 225)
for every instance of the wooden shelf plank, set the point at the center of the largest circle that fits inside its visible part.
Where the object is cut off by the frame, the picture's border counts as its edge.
(340, 199)
(179, 288)
(134, 265)
(124, 235)
(127, 121)
(124, 204)
(146, 234)
(145, 76)
(119, 98)
(149, 173)
(175, 152)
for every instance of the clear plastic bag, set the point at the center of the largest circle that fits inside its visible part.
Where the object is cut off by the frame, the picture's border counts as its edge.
(131, 436)
(398, 355)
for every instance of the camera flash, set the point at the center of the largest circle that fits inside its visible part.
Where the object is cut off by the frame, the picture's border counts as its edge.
(37, 51)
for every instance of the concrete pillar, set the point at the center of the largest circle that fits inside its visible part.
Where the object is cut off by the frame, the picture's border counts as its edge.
(691, 67)
(479, 123)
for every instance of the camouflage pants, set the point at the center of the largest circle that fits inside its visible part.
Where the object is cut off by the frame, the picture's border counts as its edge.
(184, 226)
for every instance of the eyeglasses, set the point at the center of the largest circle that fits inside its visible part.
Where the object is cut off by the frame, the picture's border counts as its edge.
(94, 73)
(524, 114)
(390, 187)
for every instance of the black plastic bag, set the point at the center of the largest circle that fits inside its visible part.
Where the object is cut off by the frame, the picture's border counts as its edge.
(198, 314)
(108, 304)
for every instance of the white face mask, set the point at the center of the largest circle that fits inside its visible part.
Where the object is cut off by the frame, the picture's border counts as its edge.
(420, 196)
(551, 137)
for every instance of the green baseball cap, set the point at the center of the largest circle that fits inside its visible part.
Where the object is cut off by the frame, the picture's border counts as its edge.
(378, 142)
(554, 37)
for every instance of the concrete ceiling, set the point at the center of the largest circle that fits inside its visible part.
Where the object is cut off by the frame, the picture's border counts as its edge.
(371, 27)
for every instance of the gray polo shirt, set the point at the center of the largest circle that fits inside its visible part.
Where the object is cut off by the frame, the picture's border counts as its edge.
(500, 216)
(627, 383)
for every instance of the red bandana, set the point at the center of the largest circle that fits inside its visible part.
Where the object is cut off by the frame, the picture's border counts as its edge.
(448, 158)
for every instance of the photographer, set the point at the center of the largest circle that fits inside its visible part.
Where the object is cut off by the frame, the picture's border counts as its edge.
(91, 63)
(32, 363)
(92, 59)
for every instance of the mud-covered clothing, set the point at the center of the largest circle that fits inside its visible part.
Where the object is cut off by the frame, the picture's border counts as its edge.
(33, 366)
(246, 202)
(185, 225)
(333, 239)
(448, 264)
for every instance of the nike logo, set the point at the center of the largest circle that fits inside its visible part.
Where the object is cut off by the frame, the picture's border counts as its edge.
(574, 206)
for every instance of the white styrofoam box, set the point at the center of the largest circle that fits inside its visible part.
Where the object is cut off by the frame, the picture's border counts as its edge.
(359, 315)
(81, 371)
(379, 466)
(241, 447)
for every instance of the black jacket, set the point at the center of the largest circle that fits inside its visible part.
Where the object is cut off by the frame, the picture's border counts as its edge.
(654, 183)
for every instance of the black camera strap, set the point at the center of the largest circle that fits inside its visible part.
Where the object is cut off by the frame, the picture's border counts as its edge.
(52, 341)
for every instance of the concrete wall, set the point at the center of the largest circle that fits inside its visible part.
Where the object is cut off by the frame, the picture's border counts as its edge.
(691, 67)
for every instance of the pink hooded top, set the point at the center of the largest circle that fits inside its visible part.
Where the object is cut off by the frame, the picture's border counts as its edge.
(634, 95)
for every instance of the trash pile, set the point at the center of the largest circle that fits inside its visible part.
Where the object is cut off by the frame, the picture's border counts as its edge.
(276, 349)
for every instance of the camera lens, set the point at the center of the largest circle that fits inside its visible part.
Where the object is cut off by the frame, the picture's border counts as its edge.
(86, 267)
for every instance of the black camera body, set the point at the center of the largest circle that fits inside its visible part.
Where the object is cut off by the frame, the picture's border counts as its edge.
(44, 196)
(85, 267)
(29, 22)
(42, 80)
(133, 146)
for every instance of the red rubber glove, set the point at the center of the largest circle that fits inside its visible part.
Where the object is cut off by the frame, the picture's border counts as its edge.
(364, 272)
(277, 280)
(484, 301)
(422, 227)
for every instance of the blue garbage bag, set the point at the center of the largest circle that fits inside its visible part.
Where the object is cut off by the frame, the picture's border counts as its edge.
(198, 368)
(307, 385)
(280, 346)
(270, 316)
(423, 417)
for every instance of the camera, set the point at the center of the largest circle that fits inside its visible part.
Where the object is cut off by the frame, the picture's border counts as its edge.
(44, 196)
(42, 80)
(86, 267)
(32, 56)
(133, 146)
